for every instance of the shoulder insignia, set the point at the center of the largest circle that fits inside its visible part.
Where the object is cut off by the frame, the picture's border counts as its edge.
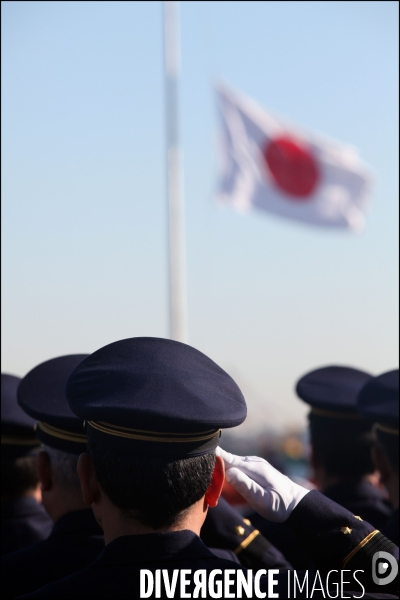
(345, 530)
(239, 530)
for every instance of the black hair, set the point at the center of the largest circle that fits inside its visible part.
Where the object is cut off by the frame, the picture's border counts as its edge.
(343, 446)
(18, 476)
(390, 442)
(155, 491)
(64, 468)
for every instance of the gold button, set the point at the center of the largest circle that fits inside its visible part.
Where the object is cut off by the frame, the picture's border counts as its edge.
(345, 530)
(239, 530)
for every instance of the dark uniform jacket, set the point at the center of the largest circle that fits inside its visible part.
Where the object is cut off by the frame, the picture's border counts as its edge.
(227, 554)
(360, 498)
(363, 499)
(225, 527)
(334, 538)
(23, 522)
(391, 527)
(75, 541)
(116, 572)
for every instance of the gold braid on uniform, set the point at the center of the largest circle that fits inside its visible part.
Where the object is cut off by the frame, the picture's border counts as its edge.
(247, 541)
(333, 414)
(361, 556)
(359, 546)
(62, 434)
(14, 440)
(152, 436)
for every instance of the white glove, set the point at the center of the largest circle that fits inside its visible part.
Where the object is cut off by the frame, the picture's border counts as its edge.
(273, 495)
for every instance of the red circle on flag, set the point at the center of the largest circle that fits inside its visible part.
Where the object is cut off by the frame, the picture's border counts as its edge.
(292, 166)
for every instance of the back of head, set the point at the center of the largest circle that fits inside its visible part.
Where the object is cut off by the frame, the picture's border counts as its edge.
(343, 449)
(41, 394)
(155, 491)
(153, 410)
(378, 402)
(64, 469)
(340, 438)
(19, 476)
(18, 443)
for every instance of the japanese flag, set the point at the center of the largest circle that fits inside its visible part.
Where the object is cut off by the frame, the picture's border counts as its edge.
(272, 166)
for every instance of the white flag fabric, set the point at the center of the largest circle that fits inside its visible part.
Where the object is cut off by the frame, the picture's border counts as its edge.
(272, 166)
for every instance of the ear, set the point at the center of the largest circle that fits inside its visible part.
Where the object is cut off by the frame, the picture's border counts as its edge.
(381, 462)
(44, 471)
(89, 485)
(217, 481)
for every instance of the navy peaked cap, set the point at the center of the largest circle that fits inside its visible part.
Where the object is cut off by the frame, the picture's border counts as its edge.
(154, 397)
(41, 394)
(17, 428)
(333, 390)
(378, 401)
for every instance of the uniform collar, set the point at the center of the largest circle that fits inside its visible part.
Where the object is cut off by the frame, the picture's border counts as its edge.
(154, 547)
(354, 489)
(77, 521)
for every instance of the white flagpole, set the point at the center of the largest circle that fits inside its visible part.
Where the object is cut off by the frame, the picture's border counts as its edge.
(177, 283)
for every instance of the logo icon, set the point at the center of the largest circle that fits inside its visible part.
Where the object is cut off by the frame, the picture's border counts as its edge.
(384, 568)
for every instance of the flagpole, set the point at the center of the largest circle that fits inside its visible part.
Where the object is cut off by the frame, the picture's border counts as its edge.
(176, 225)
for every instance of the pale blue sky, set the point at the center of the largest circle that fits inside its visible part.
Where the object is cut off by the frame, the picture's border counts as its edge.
(83, 187)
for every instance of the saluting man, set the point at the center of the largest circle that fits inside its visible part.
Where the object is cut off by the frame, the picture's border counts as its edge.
(153, 410)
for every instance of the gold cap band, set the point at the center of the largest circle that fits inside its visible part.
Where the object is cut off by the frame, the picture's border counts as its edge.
(62, 433)
(335, 415)
(386, 429)
(13, 440)
(152, 436)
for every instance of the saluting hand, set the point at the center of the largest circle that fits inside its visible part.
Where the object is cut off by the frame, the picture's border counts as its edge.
(273, 495)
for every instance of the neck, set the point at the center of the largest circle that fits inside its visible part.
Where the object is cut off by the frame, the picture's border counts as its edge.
(58, 502)
(115, 524)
